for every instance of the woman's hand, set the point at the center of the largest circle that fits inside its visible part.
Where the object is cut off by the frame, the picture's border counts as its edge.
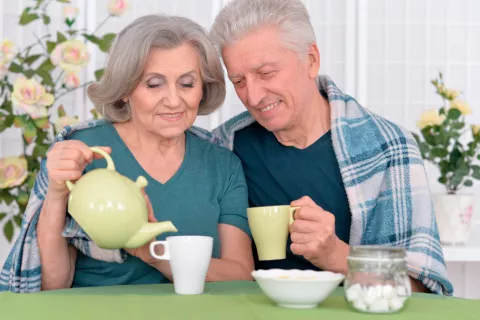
(143, 252)
(67, 161)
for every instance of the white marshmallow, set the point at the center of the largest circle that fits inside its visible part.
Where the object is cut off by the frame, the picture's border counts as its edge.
(402, 291)
(371, 295)
(354, 292)
(379, 305)
(396, 303)
(360, 305)
(387, 291)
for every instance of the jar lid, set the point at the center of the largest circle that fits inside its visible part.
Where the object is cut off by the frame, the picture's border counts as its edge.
(376, 252)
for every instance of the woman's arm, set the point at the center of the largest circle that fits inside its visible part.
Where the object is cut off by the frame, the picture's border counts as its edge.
(57, 257)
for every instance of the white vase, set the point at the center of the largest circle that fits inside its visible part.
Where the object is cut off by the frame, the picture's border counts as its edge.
(454, 215)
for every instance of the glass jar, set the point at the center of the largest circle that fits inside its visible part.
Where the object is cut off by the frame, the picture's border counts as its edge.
(377, 280)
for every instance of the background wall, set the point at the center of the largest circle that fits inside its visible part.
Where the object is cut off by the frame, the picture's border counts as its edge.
(384, 53)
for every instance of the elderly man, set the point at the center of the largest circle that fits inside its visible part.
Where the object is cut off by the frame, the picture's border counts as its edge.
(357, 178)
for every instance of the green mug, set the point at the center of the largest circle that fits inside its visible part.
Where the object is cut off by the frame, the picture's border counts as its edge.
(269, 227)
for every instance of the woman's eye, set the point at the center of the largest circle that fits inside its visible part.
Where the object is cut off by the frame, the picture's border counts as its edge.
(187, 85)
(154, 84)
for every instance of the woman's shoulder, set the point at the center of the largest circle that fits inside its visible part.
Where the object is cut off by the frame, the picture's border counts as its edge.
(91, 132)
(212, 151)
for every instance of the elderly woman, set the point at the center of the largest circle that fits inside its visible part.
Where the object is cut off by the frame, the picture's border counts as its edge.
(162, 72)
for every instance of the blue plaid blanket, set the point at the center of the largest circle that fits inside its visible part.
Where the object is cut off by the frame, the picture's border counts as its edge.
(382, 170)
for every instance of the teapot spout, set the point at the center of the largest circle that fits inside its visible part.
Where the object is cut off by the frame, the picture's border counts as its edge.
(148, 232)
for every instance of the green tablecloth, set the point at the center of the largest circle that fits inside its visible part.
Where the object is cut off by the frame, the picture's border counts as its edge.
(222, 300)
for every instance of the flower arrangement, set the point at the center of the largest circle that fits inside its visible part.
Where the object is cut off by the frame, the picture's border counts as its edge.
(32, 80)
(448, 142)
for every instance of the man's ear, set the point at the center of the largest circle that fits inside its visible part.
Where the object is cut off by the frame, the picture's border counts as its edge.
(313, 61)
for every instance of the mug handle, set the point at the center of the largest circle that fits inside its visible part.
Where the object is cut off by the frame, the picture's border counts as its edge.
(292, 213)
(110, 164)
(166, 253)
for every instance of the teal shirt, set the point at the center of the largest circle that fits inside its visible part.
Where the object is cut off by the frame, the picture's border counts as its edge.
(209, 188)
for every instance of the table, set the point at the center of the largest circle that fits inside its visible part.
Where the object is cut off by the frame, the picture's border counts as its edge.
(222, 300)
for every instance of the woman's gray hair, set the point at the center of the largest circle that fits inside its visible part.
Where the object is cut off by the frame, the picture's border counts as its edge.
(128, 56)
(240, 17)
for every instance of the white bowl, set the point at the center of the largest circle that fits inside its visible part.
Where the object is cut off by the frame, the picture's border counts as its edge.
(297, 288)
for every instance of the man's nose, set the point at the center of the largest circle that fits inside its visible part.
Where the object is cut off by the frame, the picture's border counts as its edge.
(255, 93)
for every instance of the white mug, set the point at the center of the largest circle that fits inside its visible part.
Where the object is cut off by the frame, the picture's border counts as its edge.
(189, 260)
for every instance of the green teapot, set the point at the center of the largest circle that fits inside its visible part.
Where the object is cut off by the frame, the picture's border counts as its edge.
(111, 208)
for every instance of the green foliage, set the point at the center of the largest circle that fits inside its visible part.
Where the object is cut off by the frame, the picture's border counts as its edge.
(35, 62)
(442, 140)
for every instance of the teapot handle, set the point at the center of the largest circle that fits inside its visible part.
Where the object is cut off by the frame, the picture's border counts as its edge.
(110, 164)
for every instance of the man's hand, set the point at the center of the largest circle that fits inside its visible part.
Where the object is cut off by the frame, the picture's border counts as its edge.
(313, 236)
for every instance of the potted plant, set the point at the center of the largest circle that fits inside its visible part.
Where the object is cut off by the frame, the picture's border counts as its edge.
(450, 144)
(32, 79)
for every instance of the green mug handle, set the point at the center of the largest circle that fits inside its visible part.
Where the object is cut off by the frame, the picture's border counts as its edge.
(292, 213)
(110, 164)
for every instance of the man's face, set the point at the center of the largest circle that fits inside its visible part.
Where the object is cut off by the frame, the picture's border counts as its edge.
(273, 82)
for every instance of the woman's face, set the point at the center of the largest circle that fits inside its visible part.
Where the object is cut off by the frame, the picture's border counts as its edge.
(166, 100)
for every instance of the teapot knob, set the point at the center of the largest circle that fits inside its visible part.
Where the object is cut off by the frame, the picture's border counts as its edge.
(141, 182)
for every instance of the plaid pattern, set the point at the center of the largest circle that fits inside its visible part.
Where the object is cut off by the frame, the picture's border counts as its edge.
(382, 170)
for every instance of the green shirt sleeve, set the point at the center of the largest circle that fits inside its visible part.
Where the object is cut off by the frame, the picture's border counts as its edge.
(234, 201)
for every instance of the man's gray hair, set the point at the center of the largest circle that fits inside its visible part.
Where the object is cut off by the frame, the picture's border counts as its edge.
(128, 56)
(240, 17)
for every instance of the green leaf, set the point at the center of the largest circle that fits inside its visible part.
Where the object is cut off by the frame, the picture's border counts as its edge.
(7, 197)
(2, 215)
(42, 123)
(61, 111)
(6, 122)
(31, 179)
(28, 73)
(31, 59)
(99, 74)
(50, 46)
(69, 22)
(46, 65)
(64, 1)
(468, 183)
(18, 220)
(442, 180)
(46, 19)
(458, 125)
(92, 38)
(439, 152)
(72, 32)
(26, 18)
(8, 230)
(456, 179)
(46, 77)
(106, 42)
(20, 121)
(454, 114)
(15, 68)
(60, 37)
(29, 132)
(476, 174)
(40, 150)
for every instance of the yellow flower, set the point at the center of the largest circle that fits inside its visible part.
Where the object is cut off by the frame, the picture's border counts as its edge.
(462, 106)
(7, 51)
(475, 129)
(71, 80)
(70, 12)
(13, 171)
(30, 96)
(117, 7)
(450, 94)
(71, 55)
(64, 121)
(430, 118)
